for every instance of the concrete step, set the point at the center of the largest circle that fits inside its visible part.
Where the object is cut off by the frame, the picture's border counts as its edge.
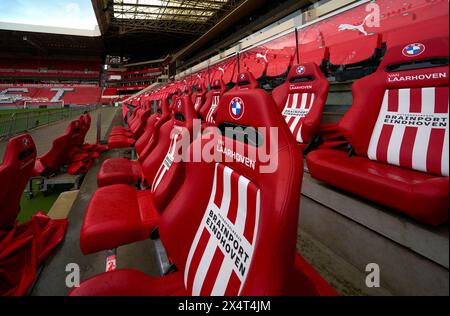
(413, 258)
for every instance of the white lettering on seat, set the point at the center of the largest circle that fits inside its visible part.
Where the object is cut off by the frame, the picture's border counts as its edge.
(297, 108)
(221, 254)
(412, 130)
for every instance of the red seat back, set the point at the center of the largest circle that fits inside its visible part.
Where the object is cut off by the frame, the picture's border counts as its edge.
(209, 109)
(15, 171)
(61, 149)
(155, 121)
(160, 159)
(301, 100)
(399, 114)
(229, 218)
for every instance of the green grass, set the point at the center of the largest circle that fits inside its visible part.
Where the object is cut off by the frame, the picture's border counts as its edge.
(40, 202)
(3, 112)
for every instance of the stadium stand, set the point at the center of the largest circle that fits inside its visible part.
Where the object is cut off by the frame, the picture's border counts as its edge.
(253, 163)
(35, 94)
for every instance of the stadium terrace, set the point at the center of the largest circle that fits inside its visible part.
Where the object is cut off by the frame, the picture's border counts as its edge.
(224, 149)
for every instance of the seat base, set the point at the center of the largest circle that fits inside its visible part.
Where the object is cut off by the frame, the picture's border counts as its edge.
(116, 142)
(422, 196)
(117, 215)
(131, 283)
(119, 171)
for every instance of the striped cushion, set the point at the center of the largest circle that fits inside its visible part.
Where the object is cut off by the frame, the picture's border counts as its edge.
(221, 254)
(297, 107)
(412, 130)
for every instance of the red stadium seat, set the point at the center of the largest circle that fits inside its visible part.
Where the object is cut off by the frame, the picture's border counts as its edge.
(229, 199)
(210, 108)
(53, 160)
(398, 128)
(15, 172)
(302, 99)
(246, 81)
(132, 122)
(126, 140)
(124, 171)
(198, 98)
(120, 214)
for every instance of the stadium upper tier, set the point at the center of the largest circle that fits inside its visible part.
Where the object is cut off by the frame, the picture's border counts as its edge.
(19, 95)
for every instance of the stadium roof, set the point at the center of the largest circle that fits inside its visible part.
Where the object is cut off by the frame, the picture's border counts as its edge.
(176, 16)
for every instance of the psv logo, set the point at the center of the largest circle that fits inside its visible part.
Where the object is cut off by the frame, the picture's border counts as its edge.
(237, 108)
(413, 50)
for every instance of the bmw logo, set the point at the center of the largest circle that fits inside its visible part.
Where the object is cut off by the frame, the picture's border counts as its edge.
(413, 50)
(237, 108)
(301, 70)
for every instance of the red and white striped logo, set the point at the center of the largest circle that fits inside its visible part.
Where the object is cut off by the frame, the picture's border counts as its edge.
(297, 107)
(412, 130)
(214, 105)
(221, 254)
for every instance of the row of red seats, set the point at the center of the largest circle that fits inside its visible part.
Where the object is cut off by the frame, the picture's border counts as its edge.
(398, 131)
(381, 152)
(183, 201)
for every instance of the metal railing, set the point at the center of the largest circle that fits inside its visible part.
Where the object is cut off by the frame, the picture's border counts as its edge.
(18, 122)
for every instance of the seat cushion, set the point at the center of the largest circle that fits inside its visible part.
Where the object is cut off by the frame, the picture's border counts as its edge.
(131, 283)
(120, 129)
(117, 215)
(115, 142)
(121, 133)
(419, 195)
(119, 171)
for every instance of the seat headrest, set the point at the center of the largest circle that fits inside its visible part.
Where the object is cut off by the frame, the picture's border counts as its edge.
(304, 78)
(419, 64)
(246, 80)
(19, 149)
(253, 108)
(426, 49)
(74, 126)
(200, 87)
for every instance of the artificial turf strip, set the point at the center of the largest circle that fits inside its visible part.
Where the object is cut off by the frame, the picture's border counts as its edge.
(39, 202)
